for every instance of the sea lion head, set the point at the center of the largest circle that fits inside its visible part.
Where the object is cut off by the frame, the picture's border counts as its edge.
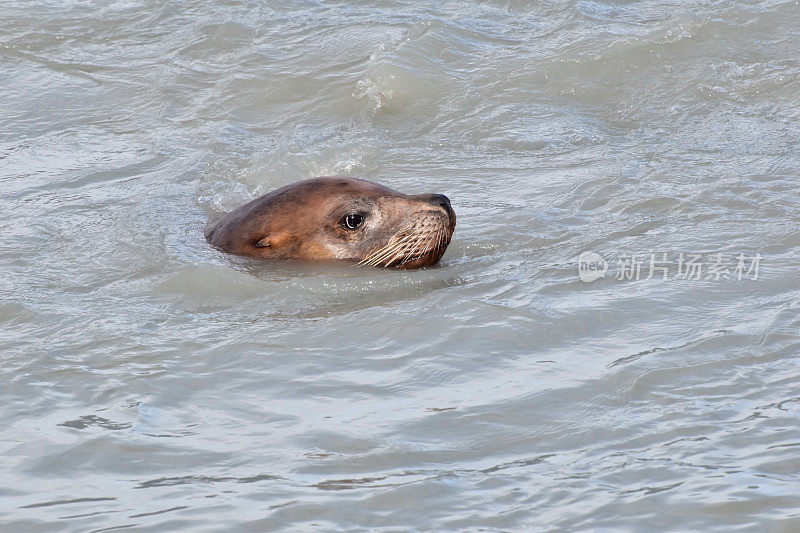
(340, 219)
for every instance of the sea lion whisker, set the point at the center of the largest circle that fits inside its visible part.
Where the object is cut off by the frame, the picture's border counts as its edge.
(369, 259)
(400, 252)
(398, 258)
(418, 251)
(400, 242)
(379, 255)
(439, 237)
(430, 241)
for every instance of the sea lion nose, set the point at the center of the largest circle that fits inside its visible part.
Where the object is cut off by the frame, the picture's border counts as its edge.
(440, 200)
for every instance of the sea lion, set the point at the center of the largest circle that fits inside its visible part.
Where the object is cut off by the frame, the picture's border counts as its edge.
(335, 218)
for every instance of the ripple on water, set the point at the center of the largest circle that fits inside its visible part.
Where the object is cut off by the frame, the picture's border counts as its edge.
(188, 389)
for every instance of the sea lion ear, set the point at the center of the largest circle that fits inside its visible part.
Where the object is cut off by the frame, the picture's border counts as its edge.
(273, 240)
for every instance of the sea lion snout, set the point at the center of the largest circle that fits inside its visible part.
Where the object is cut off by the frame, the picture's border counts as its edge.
(442, 201)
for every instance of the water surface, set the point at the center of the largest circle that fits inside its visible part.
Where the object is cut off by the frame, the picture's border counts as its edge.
(149, 382)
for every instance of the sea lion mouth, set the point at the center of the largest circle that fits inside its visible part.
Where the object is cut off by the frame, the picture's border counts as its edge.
(422, 243)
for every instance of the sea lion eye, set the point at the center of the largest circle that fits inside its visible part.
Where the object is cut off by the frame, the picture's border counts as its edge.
(352, 221)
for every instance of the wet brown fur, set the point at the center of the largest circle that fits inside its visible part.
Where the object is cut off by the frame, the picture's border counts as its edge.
(303, 221)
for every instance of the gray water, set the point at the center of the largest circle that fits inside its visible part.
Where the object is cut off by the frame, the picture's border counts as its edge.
(151, 383)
